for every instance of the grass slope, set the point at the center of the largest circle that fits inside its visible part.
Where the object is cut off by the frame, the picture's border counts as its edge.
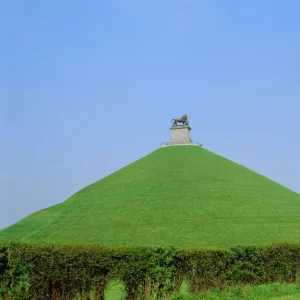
(184, 196)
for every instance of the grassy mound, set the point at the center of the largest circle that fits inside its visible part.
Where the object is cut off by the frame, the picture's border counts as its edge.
(184, 196)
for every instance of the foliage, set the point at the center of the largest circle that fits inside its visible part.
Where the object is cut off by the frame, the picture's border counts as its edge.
(50, 271)
(247, 265)
(204, 269)
(14, 274)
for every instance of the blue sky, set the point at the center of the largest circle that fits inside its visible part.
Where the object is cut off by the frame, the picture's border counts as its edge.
(87, 87)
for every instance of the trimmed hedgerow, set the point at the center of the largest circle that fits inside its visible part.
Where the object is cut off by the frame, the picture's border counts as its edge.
(49, 271)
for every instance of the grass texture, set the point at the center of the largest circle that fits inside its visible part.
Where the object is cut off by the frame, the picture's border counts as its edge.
(184, 196)
(274, 291)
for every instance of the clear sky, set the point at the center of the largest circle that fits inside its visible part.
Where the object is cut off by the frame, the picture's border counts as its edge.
(87, 87)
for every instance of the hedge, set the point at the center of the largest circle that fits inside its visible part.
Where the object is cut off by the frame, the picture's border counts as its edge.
(50, 271)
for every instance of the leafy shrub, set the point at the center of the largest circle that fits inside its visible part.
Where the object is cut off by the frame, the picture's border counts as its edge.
(49, 271)
(14, 274)
(247, 265)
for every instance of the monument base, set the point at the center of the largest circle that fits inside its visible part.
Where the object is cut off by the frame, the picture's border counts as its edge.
(180, 135)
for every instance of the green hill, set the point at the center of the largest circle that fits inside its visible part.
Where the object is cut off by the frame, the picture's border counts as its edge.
(184, 196)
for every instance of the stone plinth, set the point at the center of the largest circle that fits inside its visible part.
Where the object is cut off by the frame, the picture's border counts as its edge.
(180, 135)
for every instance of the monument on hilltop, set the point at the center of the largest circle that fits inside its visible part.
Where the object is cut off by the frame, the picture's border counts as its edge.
(180, 134)
(184, 193)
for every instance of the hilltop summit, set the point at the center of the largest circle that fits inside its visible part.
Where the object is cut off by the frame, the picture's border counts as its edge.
(182, 195)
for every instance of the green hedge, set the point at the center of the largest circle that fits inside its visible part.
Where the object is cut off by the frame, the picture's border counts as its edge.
(30, 271)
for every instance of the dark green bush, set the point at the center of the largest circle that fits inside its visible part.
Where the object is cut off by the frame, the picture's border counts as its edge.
(246, 265)
(282, 263)
(30, 271)
(204, 269)
(14, 274)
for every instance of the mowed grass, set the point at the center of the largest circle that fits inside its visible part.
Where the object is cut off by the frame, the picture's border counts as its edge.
(185, 196)
(275, 291)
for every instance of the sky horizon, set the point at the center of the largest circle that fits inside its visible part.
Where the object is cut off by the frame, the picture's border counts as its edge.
(87, 88)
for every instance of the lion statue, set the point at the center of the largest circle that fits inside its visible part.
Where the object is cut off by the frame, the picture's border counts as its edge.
(182, 120)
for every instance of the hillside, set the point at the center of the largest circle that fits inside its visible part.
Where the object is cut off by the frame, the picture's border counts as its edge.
(184, 196)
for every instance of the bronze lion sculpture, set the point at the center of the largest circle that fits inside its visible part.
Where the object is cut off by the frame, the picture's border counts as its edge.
(182, 120)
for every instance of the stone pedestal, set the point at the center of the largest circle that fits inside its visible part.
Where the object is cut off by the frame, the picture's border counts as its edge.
(180, 135)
